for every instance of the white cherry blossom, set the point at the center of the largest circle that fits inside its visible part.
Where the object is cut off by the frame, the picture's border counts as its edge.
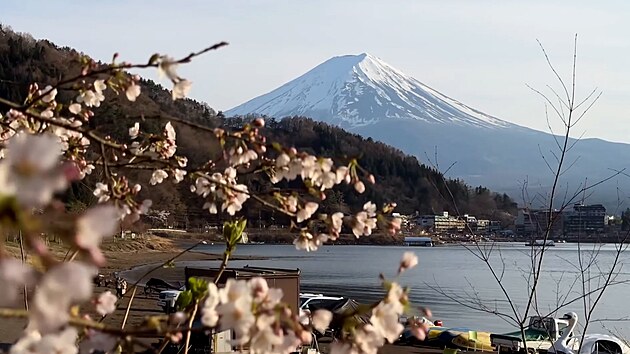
(132, 92)
(338, 347)
(48, 113)
(291, 203)
(321, 320)
(394, 225)
(365, 221)
(235, 309)
(106, 303)
(168, 67)
(266, 337)
(91, 98)
(169, 131)
(97, 342)
(158, 177)
(271, 299)
(343, 175)
(181, 89)
(179, 175)
(409, 260)
(98, 222)
(75, 108)
(239, 156)
(134, 131)
(283, 160)
(33, 342)
(234, 198)
(27, 343)
(385, 320)
(212, 207)
(49, 94)
(368, 340)
(209, 315)
(101, 192)
(289, 344)
(30, 170)
(99, 86)
(305, 213)
(259, 288)
(14, 275)
(182, 161)
(307, 242)
(336, 222)
(52, 300)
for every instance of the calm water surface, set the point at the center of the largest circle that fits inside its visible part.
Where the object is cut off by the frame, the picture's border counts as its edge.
(353, 271)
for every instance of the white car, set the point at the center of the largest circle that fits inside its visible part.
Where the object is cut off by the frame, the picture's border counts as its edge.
(307, 300)
(168, 298)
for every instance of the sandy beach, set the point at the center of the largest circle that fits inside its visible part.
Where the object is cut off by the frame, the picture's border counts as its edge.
(153, 251)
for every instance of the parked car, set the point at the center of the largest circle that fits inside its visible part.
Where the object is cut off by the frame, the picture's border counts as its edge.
(308, 300)
(168, 298)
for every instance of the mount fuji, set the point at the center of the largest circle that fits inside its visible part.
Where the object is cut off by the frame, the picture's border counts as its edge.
(364, 95)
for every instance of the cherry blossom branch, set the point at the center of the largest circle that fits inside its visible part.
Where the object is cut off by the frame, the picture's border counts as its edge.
(223, 267)
(108, 68)
(190, 323)
(133, 295)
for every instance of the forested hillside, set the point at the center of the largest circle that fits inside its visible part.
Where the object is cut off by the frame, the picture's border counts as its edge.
(400, 178)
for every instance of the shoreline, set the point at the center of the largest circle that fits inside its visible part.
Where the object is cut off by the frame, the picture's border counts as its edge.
(149, 252)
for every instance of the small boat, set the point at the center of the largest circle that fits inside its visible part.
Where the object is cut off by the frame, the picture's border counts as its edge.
(593, 343)
(539, 334)
(540, 243)
(458, 338)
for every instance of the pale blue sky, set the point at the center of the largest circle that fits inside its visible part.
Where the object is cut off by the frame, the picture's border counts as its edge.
(480, 52)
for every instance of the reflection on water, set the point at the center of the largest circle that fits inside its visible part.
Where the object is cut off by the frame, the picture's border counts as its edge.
(353, 271)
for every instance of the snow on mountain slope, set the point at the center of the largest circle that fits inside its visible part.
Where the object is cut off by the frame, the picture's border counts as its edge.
(358, 90)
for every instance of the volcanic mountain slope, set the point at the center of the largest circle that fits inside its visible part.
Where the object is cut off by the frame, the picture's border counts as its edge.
(365, 95)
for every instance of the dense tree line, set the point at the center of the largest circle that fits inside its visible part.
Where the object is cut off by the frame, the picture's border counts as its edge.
(400, 177)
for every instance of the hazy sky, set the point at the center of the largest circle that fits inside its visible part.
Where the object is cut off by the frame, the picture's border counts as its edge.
(482, 53)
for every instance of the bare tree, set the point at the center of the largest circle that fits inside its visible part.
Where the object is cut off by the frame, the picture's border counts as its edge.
(591, 279)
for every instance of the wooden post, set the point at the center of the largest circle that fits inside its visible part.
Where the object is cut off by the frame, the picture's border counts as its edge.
(23, 255)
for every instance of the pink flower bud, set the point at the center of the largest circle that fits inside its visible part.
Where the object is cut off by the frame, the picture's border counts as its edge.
(259, 122)
(177, 318)
(359, 187)
(409, 260)
(427, 312)
(305, 337)
(419, 332)
(71, 171)
(371, 179)
(176, 337)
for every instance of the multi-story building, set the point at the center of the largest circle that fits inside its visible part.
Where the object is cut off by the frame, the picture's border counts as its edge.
(586, 219)
(526, 223)
(447, 223)
(535, 221)
(483, 226)
(441, 223)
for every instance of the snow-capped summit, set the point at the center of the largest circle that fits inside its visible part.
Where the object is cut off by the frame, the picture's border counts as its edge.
(358, 90)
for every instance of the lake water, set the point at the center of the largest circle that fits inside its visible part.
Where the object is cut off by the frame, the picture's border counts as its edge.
(353, 271)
